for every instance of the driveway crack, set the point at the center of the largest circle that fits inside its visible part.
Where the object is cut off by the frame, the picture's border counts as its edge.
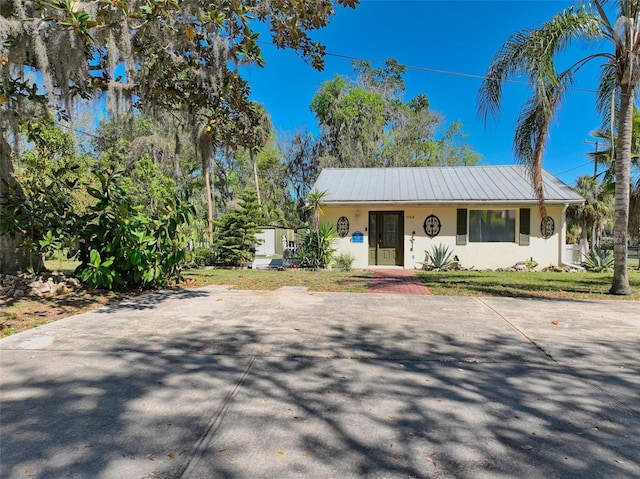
(215, 422)
(524, 335)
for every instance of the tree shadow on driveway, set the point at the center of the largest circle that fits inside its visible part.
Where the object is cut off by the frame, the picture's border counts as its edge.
(242, 393)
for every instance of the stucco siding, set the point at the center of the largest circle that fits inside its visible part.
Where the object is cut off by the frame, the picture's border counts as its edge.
(489, 255)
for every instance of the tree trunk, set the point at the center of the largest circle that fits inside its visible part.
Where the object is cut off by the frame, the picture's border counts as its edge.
(206, 166)
(12, 259)
(620, 283)
(255, 173)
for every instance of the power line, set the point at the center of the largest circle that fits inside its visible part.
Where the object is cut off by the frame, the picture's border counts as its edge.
(432, 70)
(408, 67)
(444, 72)
(574, 168)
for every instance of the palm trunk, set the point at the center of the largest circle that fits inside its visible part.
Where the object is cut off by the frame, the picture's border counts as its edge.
(620, 283)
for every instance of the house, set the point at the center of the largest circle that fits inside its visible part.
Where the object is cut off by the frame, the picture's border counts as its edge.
(487, 216)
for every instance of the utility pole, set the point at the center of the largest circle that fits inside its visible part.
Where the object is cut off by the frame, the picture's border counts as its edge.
(596, 192)
(595, 158)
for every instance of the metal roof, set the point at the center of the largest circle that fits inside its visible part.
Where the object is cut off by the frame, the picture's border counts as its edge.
(452, 184)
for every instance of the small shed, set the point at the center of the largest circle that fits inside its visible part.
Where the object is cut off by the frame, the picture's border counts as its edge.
(271, 240)
(486, 215)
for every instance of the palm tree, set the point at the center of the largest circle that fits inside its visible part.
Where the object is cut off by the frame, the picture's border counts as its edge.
(596, 210)
(605, 157)
(258, 137)
(314, 204)
(533, 52)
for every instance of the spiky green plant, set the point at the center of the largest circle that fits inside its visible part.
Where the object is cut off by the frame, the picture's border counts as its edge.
(316, 248)
(344, 261)
(439, 258)
(598, 260)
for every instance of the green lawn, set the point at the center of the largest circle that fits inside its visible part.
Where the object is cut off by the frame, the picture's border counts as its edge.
(578, 285)
(335, 281)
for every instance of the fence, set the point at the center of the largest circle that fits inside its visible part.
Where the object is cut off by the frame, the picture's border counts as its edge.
(573, 254)
(272, 241)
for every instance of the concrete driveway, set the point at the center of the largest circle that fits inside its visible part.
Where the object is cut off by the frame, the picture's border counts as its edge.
(218, 383)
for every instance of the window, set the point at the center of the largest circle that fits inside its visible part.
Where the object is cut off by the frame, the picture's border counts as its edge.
(492, 226)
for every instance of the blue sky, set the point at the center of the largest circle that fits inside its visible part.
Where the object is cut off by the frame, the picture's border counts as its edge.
(453, 36)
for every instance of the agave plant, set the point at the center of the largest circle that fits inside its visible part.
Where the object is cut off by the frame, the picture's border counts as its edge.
(439, 258)
(598, 260)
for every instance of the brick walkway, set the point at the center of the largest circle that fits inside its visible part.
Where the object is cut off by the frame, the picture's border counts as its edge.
(397, 281)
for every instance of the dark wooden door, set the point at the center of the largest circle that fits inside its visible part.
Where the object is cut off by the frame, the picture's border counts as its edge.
(386, 232)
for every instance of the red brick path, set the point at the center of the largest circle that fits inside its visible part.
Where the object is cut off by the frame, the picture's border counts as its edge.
(397, 281)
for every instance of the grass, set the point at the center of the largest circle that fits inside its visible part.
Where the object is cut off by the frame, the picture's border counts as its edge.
(327, 281)
(577, 285)
(25, 313)
(66, 266)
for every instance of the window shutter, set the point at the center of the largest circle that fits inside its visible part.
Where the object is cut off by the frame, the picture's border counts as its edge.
(461, 226)
(525, 226)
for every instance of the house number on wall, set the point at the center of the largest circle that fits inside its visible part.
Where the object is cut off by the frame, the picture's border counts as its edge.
(432, 226)
(547, 227)
(342, 226)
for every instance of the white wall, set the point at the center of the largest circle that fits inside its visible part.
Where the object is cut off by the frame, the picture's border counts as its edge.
(472, 255)
(268, 245)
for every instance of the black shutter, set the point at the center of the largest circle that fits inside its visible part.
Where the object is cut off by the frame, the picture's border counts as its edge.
(461, 226)
(525, 225)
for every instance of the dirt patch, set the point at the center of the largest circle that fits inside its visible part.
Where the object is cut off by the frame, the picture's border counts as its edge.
(29, 312)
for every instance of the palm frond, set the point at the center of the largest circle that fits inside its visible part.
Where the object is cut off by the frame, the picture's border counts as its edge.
(531, 52)
(532, 129)
(606, 94)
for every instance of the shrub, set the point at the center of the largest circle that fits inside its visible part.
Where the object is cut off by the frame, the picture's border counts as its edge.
(235, 233)
(344, 261)
(598, 260)
(204, 257)
(119, 246)
(316, 247)
(439, 258)
(41, 207)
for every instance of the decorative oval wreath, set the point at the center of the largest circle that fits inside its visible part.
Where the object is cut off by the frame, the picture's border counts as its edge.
(342, 226)
(432, 226)
(547, 227)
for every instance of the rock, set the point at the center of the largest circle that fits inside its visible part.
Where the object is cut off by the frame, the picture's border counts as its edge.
(60, 289)
(43, 285)
(73, 283)
(8, 292)
(557, 269)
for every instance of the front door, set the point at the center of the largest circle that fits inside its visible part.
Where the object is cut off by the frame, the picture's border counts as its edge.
(386, 231)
